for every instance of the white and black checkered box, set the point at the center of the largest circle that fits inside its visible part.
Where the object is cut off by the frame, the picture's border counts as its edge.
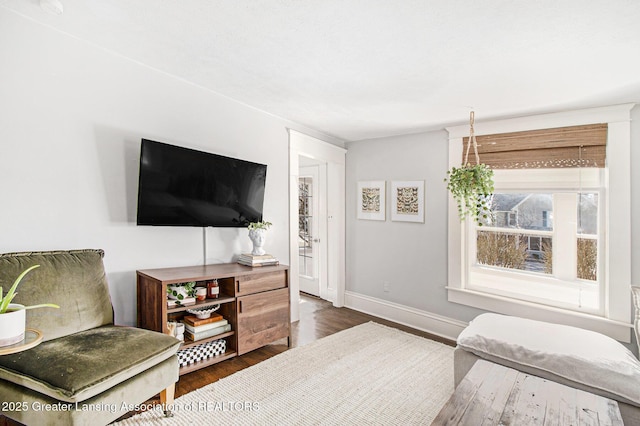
(201, 352)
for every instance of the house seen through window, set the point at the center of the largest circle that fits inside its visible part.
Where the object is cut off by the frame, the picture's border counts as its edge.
(518, 234)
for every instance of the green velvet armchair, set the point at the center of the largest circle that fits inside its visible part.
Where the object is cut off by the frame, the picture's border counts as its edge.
(86, 370)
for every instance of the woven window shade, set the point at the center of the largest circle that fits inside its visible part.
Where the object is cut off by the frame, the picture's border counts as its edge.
(575, 146)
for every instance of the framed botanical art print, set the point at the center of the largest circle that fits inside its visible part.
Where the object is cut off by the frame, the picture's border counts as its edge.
(407, 201)
(371, 200)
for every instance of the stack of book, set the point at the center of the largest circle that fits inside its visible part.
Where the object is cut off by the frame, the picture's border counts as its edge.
(198, 329)
(172, 303)
(253, 260)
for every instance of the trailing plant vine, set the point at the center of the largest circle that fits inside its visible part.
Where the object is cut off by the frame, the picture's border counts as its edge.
(471, 185)
(259, 225)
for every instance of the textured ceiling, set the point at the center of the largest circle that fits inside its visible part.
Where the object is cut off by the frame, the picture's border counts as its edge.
(359, 69)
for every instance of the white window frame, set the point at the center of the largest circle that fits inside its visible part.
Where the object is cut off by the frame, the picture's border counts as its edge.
(614, 319)
(562, 288)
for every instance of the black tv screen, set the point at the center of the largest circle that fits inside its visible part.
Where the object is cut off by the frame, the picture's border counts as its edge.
(184, 187)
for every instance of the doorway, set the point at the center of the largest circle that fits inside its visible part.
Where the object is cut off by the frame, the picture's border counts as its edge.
(316, 243)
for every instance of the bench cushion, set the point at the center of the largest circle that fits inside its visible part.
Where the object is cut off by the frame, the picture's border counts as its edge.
(580, 357)
(79, 366)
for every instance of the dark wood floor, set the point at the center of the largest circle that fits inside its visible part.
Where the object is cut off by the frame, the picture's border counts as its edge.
(318, 318)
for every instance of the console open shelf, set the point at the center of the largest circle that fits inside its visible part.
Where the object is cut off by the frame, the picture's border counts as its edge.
(254, 301)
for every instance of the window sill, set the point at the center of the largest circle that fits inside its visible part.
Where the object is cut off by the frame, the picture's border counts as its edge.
(615, 329)
(537, 289)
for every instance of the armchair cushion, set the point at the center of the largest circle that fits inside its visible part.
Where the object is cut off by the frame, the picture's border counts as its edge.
(75, 280)
(79, 366)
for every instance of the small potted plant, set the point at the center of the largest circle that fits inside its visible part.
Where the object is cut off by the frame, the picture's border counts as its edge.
(257, 231)
(179, 292)
(13, 315)
(471, 185)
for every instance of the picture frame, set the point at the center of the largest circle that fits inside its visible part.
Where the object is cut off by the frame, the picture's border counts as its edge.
(407, 201)
(372, 200)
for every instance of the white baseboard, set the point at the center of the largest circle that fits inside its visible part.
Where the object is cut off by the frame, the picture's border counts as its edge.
(448, 328)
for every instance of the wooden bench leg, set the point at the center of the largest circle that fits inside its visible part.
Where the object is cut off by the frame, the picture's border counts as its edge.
(166, 399)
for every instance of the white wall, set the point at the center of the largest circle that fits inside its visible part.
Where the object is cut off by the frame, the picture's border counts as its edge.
(71, 119)
(413, 257)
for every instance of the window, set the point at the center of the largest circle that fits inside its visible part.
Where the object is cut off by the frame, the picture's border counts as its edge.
(545, 251)
(523, 243)
(532, 257)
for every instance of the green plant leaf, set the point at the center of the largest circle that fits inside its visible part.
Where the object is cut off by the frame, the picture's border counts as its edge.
(471, 186)
(259, 225)
(42, 305)
(4, 302)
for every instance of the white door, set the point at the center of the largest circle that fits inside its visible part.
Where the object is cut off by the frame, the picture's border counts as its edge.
(305, 151)
(308, 229)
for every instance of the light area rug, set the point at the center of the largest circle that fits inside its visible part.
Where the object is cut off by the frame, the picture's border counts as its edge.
(366, 375)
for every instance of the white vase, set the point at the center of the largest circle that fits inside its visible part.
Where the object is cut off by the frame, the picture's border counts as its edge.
(12, 325)
(257, 237)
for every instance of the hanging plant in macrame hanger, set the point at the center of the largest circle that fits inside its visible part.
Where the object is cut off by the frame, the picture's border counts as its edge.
(471, 185)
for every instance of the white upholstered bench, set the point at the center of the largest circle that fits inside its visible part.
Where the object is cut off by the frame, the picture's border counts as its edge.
(571, 356)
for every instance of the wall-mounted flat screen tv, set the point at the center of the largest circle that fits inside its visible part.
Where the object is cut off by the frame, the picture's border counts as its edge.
(184, 187)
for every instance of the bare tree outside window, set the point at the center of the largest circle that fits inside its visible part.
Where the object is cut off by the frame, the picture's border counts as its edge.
(547, 257)
(587, 243)
(503, 250)
(587, 259)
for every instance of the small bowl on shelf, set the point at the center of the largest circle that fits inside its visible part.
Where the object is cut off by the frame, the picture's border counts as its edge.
(203, 313)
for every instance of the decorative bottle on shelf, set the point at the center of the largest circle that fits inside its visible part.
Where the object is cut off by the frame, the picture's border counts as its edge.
(213, 290)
